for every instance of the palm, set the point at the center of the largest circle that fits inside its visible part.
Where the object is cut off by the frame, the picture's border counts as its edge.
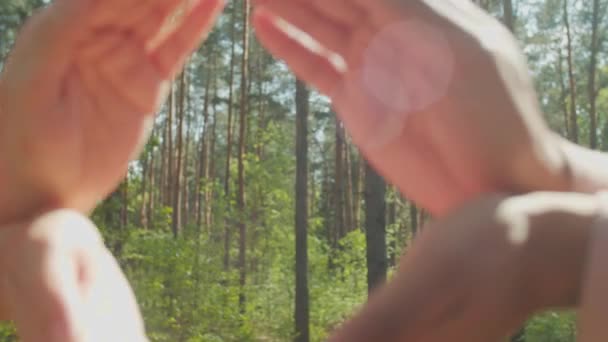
(99, 71)
(416, 92)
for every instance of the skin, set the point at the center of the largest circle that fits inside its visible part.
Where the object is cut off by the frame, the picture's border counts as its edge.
(469, 127)
(100, 70)
(478, 130)
(58, 264)
(459, 117)
(465, 269)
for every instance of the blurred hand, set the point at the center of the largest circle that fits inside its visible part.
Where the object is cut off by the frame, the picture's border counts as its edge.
(478, 273)
(435, 93)
(78, 95)
(60, 284)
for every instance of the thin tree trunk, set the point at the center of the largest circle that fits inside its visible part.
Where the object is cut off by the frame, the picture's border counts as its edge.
(152, 194)
(591, 87)
(203, 169)
(509, 17)
(348, 193)
(414, 219)
(211, 160)
(177, 182)
(574, 130)
(359, 175)
(241, 157)
(227, 227)
(339, 182)
(375, 228)
(170, 163)
(391, 220)
(147, 168)
(185, 186)
(301, 219)
(124, 210)
(563, 94)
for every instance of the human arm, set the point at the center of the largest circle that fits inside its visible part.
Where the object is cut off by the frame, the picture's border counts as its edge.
(476, 265)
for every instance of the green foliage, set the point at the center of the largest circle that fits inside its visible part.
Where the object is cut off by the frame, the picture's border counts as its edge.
(552, 327)
(7, 333)
(186, 292)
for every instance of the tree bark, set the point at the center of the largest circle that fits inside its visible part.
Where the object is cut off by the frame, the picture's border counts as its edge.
(348, 193)
(339, 182)
(574, 129)
(177, 181)
(375, 228)
(592, 87)
(301, 219)
(227, 227)
(509, 17)
(241, 157)
(414, 219)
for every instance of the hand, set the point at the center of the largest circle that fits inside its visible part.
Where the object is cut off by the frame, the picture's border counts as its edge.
(79, 92)
(60, 284)
(435, 93)
(497, 261)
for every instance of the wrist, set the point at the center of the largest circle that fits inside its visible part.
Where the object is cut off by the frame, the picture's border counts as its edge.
(556, 254)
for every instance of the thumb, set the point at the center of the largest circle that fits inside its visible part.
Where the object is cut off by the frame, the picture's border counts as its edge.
(41, 276)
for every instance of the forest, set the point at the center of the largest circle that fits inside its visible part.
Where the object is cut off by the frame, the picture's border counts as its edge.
(250, 215)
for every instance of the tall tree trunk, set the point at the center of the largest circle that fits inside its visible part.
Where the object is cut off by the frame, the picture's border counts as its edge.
(185, 185)
(414, 219)
(147, 168)
(227, 224)
(301, 224)
(241, 156)
(177, 181)
(574, 130)
(124, 199)
(348, 192)
(170, 163)
(375, 228)
(591, 87)
(162, 188)
(152, 200)
(203, 167)
(563, 94)
(509, 17)
(391, 220)
(359, 175)
(211, 159)
(339, 182)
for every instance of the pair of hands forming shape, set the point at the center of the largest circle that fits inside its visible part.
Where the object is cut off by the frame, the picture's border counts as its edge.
(435, 93)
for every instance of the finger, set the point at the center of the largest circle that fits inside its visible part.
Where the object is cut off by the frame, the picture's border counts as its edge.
(130, 72)
(173, 51)
(113, 310)
(329, 33)
(310, 66)
(346, 12)
(150, 22)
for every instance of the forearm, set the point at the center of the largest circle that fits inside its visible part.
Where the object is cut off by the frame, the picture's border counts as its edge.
(587, 170)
